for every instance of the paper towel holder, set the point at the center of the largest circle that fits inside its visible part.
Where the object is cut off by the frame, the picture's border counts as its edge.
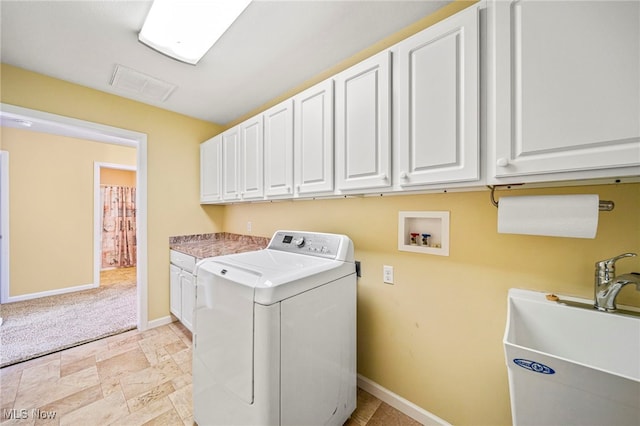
(603, 205)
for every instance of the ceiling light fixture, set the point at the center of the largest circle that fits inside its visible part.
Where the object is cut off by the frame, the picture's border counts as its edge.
(186, 30)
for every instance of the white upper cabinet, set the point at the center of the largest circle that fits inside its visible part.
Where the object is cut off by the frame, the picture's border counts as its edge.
(251, 159)
(363, 124)
(278, 150)
(560, 88)
(438, 103)
(564, 90)
(211, 170)
(313, 140)
(230, 161)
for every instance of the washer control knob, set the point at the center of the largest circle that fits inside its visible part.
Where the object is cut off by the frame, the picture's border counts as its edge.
(299, 242)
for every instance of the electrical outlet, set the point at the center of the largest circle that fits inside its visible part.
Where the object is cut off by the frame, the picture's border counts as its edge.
(387, 274)
(248, 226)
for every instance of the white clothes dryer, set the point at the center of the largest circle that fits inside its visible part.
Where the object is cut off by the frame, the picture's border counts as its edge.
(275, 334)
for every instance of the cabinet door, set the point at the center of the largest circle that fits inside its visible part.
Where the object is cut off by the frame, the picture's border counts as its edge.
(564, 89)
(278, 150)
(313, 139)
(188, 299)
(230, 158)
(211, 170)
(438, 80)
(175, 291)
(251, 159)
(363, 124)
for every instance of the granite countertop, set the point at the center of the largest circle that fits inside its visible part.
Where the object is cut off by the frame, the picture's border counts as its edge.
(218, 244)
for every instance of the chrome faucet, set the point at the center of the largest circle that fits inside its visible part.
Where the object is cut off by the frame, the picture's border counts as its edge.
(607, 285)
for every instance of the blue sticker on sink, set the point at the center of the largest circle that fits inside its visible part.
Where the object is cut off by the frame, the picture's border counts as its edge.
(533, 366)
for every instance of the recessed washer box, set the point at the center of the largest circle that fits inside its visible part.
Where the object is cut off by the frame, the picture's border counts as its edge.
(434, 223)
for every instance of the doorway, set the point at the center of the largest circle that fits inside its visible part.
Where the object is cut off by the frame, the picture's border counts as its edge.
(115, 220)
(4, 225)
(13, 116)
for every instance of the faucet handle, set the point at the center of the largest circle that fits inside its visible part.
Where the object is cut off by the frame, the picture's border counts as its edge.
(608, 266)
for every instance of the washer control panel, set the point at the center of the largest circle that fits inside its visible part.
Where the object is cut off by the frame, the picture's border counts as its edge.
(309, 243)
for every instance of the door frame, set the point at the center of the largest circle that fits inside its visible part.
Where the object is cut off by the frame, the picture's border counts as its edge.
(97, 214)
(4, 227)
(15, 116)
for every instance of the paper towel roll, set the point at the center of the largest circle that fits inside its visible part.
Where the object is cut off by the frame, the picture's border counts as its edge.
(553, 215)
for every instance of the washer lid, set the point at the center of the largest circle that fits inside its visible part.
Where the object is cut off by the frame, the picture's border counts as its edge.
(280, 275)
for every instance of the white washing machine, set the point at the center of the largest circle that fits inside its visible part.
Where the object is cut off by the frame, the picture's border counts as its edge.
(275, 334)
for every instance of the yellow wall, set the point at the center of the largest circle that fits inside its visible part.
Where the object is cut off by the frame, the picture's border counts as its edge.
(173, 161)
(435, 336)
(118, 177)
(51, 194)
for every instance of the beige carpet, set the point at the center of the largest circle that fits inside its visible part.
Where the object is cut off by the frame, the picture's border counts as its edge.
(37, 327)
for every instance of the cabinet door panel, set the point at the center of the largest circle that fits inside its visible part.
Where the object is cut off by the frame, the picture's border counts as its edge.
(567, 86)
(313, 139)
(210, 170)
(230, 158)
(251, 158)
(278, 150)
(439, 103)
(188, 299)
(434, 76)
(363, 140)
(175, 291)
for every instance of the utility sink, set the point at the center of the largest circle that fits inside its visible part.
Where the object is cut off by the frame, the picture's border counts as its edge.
(571, 365)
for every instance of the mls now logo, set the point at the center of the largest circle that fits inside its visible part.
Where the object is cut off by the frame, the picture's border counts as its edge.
(15, 414)
(23, 414)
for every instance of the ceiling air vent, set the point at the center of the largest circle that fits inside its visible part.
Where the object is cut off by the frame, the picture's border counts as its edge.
(133, 81)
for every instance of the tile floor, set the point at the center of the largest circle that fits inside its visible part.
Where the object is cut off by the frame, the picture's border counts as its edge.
(134, 378)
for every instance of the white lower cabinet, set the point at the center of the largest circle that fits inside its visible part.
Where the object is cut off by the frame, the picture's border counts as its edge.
(188, 296)
(175, 291)
(438, 103)
(363, 125)
(564, 90)
(182, 290)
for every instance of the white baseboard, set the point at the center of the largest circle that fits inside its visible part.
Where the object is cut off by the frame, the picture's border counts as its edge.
(399, 403)
(159, 322)
(51, 292)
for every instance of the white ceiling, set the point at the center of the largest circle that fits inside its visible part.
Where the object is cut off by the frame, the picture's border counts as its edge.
(273, 47)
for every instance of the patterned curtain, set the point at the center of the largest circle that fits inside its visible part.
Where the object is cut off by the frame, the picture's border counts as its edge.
(118, 226)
